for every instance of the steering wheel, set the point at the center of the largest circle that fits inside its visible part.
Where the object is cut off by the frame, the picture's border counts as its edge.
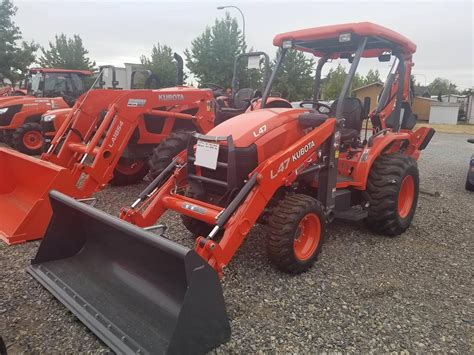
(318, 106)
(216, 89)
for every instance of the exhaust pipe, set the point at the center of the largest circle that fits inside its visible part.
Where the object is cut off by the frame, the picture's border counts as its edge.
(137, 291)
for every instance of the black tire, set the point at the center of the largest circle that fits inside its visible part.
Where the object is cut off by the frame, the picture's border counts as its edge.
(8, 137)
(283, 230)
(196, 227)
(164, 153)
(123, 179)
(18, 139)
(383, 190)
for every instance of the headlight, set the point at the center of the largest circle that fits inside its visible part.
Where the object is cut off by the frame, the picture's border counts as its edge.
(3, 110)
(48, 118)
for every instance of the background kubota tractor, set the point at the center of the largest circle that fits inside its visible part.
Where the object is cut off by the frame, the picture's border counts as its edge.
(132, 77)
(108, 136)
(46, 89)
(293, 170)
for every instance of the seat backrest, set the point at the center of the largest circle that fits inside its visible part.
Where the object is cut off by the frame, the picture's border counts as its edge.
(352, 112)
(242, 97)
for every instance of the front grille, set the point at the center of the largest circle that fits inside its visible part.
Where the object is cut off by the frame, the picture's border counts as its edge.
(7, 117)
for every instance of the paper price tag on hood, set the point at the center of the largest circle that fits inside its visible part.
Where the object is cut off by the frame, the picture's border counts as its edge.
(206, 154)
(253, 62)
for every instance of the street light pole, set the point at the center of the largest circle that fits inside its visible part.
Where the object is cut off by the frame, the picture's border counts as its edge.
(238, 9)
(423, 75)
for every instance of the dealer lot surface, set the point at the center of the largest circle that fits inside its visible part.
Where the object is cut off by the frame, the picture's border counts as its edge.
(366, 292)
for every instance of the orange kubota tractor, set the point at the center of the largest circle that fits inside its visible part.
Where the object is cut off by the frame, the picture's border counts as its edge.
(293, 170)
(108, 136)
(46, 89)
(133, 77)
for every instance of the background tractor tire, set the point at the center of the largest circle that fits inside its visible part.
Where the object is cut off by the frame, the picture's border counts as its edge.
(28, 139)
(392, 193)
(295, 233)
(8, 138)
(129, 172)
(164, 153)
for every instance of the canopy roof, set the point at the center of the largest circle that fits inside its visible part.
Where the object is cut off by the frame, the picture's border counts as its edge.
(326, 39)
(64, 71)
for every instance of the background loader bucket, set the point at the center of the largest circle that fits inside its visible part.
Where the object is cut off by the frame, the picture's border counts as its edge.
(24, 204)
(138, 292)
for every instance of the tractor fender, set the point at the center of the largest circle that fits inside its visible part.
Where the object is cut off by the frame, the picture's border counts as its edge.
(383, 144)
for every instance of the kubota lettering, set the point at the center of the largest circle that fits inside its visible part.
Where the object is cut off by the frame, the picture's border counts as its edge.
(171, 97)
(303, 151)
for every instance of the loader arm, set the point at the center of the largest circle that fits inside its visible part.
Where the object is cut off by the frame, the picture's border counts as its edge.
(87, 150)
(280, 170)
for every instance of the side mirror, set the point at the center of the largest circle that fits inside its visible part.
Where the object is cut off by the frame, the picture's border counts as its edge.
(366, 107)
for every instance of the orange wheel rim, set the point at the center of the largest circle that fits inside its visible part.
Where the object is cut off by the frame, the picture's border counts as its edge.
(406, 196)
(308, 236)
(130, 168)
(33, 140)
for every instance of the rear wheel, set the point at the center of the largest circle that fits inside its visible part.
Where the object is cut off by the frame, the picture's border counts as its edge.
(165, 152)
(129, 171)
(28, 139)
(392, 194)
(295, 233)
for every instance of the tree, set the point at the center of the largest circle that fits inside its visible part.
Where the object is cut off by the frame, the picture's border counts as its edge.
(334, 81)
(14, 58)
(66, 53)
(211, 56)
(358, 81)
(294, 80)
(440, 86)
(161, 63)
(373, 76)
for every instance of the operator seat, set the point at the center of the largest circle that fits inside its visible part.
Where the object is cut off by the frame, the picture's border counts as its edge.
(241, 101)
(352, 113)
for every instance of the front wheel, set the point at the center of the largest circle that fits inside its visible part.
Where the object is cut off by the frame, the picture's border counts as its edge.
(128, 172)
(392, 194)
(28, 139)
(295, 233)
(165, 152)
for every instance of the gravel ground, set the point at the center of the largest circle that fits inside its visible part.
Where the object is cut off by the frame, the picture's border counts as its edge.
(366, 293)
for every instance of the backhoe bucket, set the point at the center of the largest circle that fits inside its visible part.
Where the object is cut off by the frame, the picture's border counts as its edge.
(137, 291)
(24, 204)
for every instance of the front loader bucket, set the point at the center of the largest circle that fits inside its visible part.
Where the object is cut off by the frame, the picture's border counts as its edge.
(24, 204)
(138, 292)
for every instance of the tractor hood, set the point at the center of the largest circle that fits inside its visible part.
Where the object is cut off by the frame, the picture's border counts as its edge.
(12, 100)
(33, 102)
(59, 111)
(249, 127)
(28, 100)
